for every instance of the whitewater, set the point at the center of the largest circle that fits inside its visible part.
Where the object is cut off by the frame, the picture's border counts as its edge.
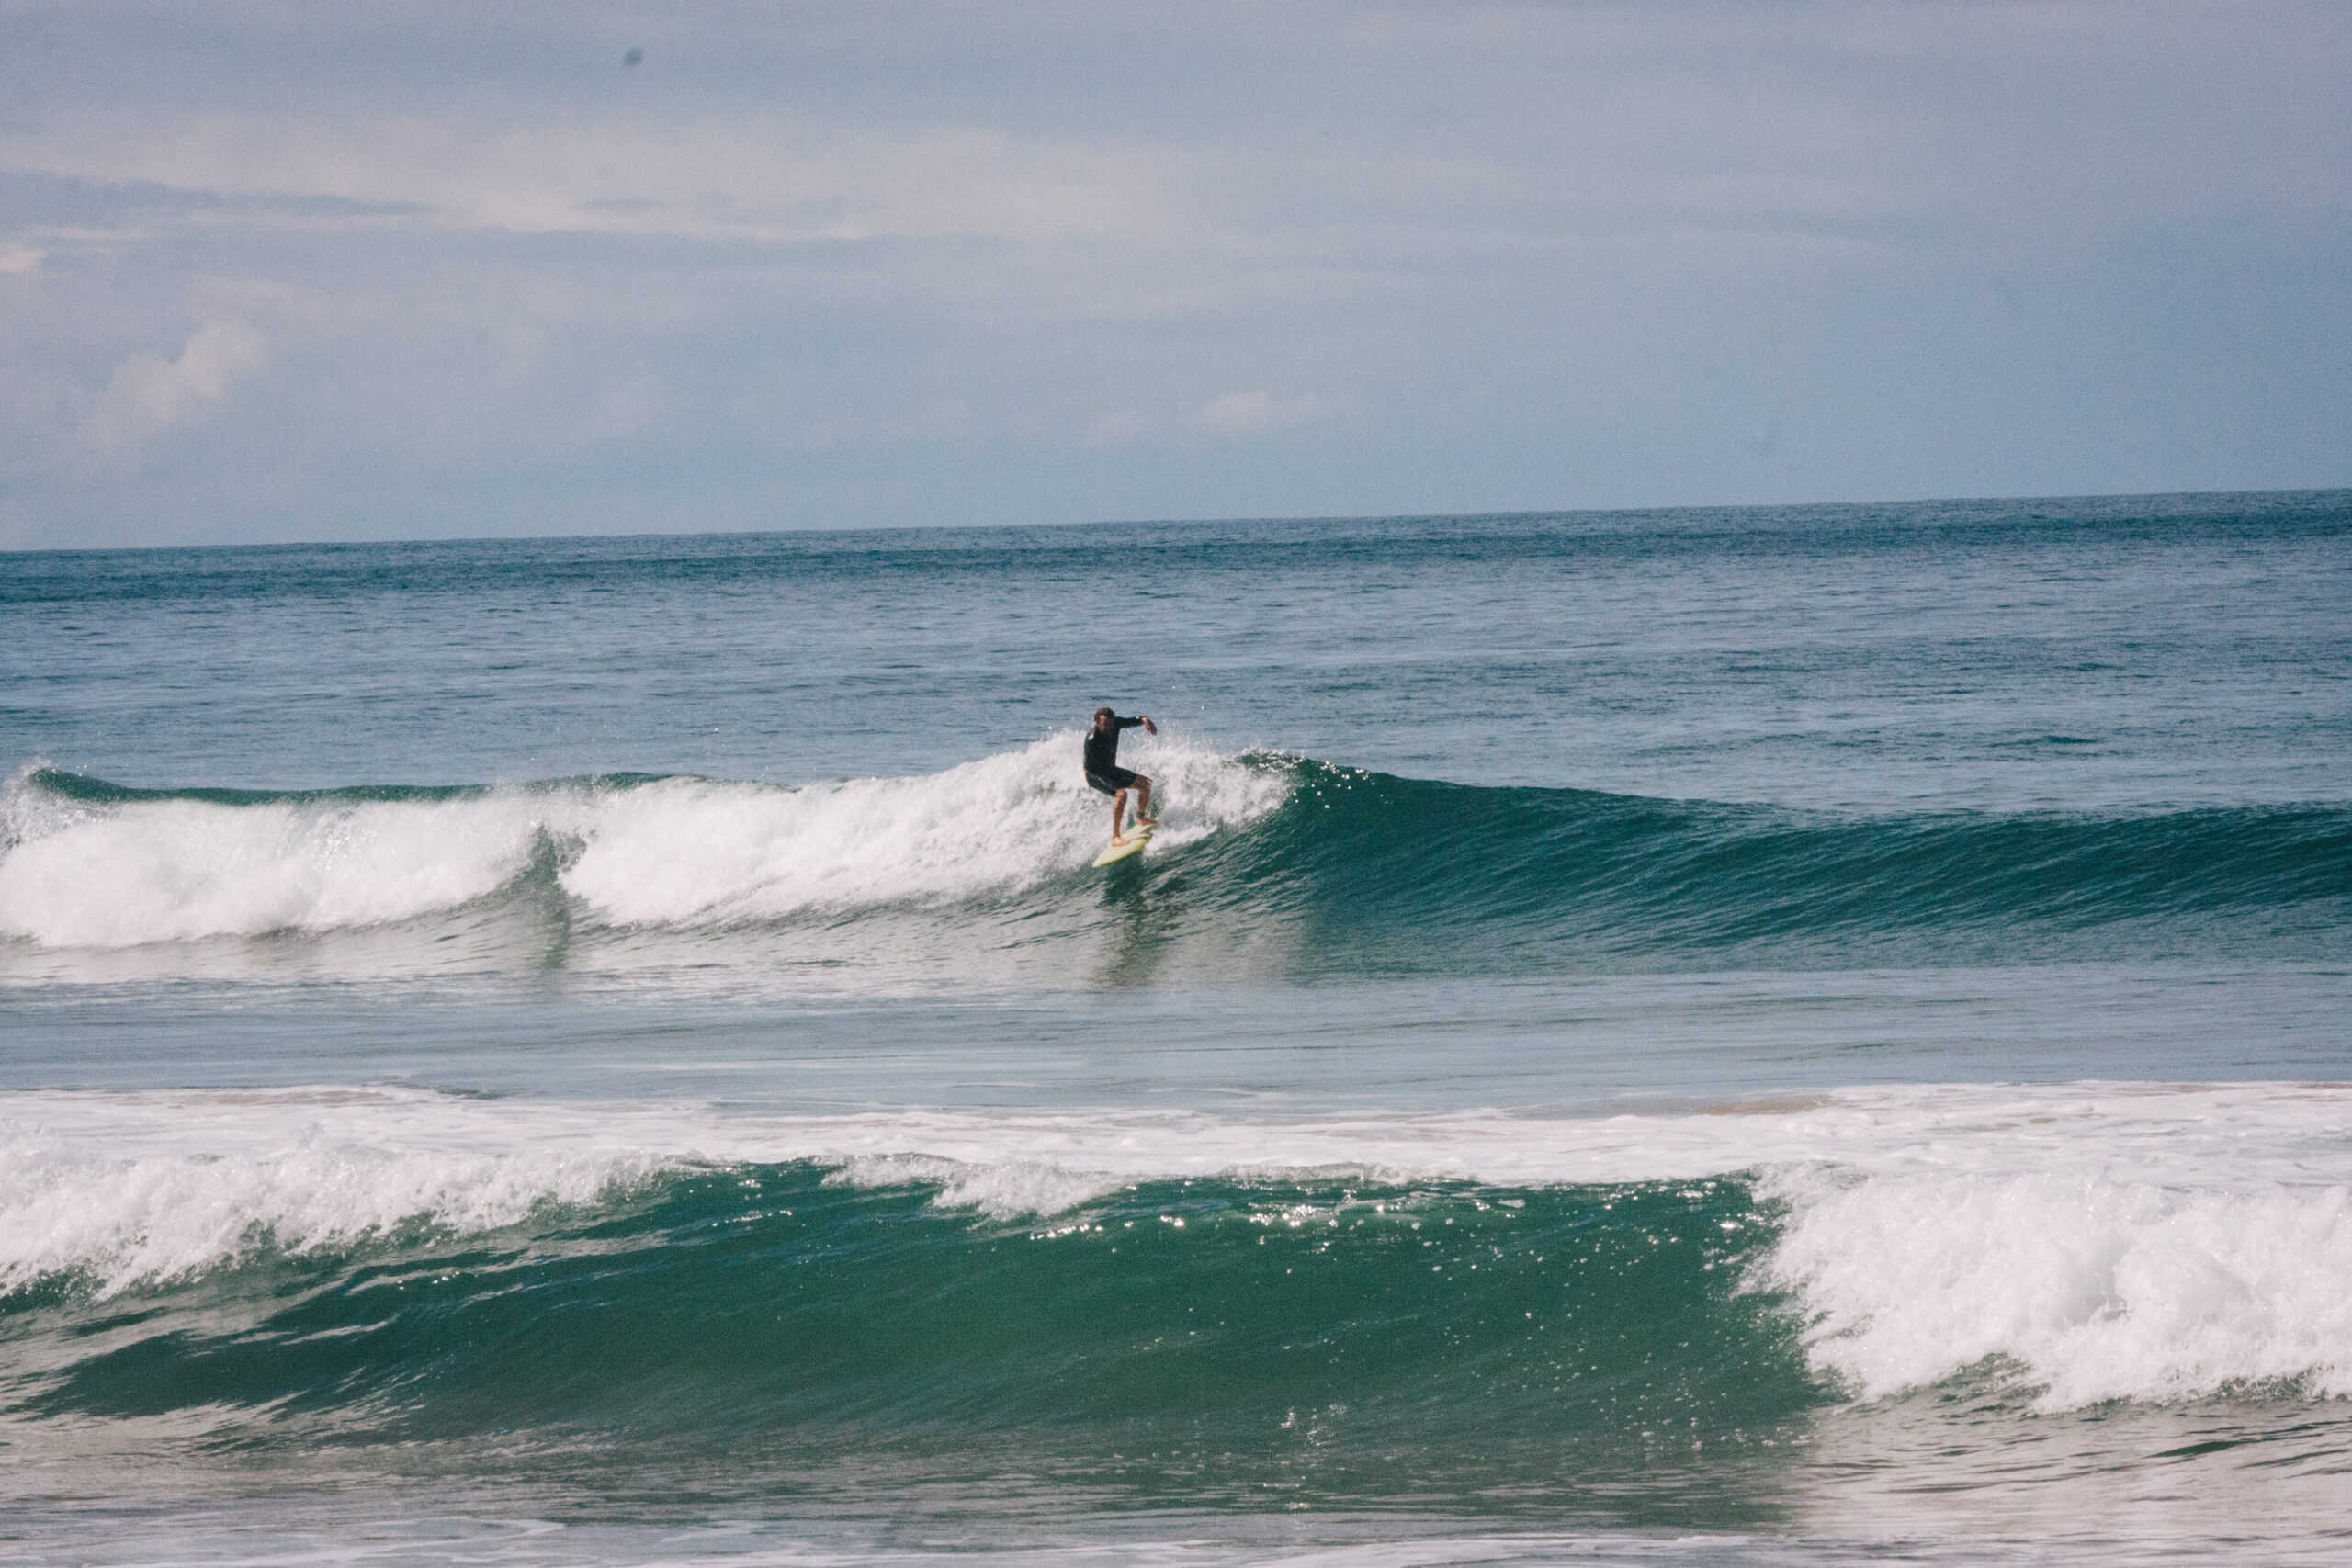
(1755, 1036)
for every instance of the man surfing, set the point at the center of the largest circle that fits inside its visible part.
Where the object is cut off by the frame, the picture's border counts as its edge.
(1103, 773)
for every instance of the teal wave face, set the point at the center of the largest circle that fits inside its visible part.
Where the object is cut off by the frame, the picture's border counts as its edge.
(1348, 1331)
(1387, 868)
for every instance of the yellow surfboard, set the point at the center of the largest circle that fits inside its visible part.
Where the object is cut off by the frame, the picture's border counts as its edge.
(1136, 839)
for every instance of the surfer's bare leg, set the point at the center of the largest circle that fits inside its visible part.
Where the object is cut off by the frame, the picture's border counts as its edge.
(1143, 801)
(1118, 817)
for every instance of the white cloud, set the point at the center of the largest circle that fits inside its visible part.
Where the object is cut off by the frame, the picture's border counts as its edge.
(19, 258)
(151, 393)
(1258, 413)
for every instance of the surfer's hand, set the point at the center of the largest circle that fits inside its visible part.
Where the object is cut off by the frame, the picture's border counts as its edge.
(1150, 727)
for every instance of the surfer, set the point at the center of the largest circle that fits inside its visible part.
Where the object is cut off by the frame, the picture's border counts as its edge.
(1103, 773)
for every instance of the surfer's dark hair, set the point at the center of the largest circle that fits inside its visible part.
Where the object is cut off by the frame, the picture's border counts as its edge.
(1105, 713)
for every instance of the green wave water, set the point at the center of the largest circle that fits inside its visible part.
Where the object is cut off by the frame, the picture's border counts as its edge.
(1384, 861)
(1325, 1333)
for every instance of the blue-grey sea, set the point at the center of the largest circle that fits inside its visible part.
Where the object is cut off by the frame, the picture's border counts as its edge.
(1755, 1036)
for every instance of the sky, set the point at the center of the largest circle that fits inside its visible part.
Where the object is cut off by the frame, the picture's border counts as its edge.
(274, 270)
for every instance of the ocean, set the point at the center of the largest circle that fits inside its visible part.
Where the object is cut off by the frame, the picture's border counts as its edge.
(1750, 1036)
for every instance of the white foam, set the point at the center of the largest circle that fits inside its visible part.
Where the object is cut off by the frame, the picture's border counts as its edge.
(116, 875)
(678, 852)
(688, 851)
(1003, 1190)
(133, 1189)
(2088, 1289)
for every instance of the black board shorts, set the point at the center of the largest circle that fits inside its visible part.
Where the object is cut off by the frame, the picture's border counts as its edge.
(1113, 781)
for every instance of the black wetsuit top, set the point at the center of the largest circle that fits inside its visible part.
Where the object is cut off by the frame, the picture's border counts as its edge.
(1102, 748)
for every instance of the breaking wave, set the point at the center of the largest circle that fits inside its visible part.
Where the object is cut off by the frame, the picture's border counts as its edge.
(2082, 1243)
(1352, 870)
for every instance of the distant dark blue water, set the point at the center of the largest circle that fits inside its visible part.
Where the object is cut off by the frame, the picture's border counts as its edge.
(1760, 1036)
